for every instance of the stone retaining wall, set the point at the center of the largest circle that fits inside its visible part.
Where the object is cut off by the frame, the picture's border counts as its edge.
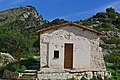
(66, 75)
(10, 75)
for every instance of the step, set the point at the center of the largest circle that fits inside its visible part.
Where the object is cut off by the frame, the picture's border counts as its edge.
(29, 75)
(31, 71)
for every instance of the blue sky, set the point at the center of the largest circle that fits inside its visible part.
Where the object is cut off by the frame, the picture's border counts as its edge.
(71, 10)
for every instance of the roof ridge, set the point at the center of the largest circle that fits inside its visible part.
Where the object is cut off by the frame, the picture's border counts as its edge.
(69, 23)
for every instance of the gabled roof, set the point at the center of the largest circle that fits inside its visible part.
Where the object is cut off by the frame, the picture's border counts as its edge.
(69, 23)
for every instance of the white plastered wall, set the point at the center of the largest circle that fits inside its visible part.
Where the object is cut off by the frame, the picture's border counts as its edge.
(82, 47)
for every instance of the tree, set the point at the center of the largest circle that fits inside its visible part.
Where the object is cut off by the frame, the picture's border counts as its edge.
(111, 13)
(101, 15)
(110, 10)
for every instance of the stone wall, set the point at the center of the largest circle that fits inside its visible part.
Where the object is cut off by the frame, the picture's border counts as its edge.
(86, 53)
(10, 75)
(96, 61)
(66, 75)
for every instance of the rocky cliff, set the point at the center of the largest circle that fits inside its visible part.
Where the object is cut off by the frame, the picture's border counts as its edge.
(17, 28)
(28, 15)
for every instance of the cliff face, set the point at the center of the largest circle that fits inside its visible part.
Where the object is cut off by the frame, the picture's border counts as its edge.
(23, 16)
(17, 27)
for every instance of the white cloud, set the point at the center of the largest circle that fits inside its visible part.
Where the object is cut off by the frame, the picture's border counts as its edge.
(81, 14)
(88, 13)
(66, 17)
(115, 5)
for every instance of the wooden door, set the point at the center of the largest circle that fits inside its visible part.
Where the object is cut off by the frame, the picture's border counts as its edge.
(68, 56)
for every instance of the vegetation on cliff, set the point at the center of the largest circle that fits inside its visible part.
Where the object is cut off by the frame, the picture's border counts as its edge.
(109, 23)
(17, 28)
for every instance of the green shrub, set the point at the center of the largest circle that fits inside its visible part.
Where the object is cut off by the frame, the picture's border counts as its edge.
(87, 23)
(110, 78)
(28, 62)
(101, 15)
(104, 46)
(15, 68)
(99, 78)
(94, 78)
(20, 69)
(24, 64)
(2, 71)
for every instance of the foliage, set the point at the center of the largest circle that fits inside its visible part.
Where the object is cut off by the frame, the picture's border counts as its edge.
(87, 23)
(113, 58)
(83, 78)
(24, 64)
(100, 15)
(114, 66)
(29, 61)
(115, 72)
(106, 25)
(109, 23)
(15, 68)
(105, 46)
(20, 69)
(2, 68)
(110, 10)
(11, 38)
(19, 30)
(54, 22)
(94, 78)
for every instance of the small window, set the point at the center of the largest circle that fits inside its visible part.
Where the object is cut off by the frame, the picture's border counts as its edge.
(56, 54)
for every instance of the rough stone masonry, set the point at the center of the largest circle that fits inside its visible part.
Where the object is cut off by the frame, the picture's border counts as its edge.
(87, 55)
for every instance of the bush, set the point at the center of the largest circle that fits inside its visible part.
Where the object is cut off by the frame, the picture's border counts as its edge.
(104, 46)
(28, 62)
(20, 69)
(15, 68)
(94, 78)
(83, 78)
(87, 23)
(101, 15)
(109, 78)
(114, 72)
(1, 71)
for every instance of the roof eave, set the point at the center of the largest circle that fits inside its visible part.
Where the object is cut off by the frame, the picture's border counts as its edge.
(68, 23)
